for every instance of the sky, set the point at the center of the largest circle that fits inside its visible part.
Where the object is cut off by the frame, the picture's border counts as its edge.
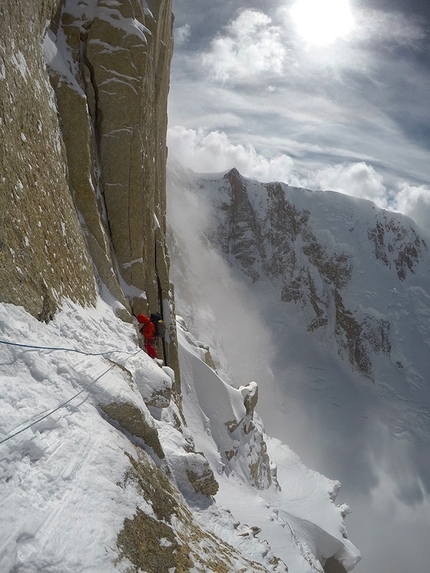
(339, 104)
(318, 94)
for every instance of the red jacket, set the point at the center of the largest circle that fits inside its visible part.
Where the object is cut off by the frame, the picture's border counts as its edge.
(148, 328)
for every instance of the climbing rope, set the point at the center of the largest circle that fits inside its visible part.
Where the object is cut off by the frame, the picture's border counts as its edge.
(75, 395)
(36, 347)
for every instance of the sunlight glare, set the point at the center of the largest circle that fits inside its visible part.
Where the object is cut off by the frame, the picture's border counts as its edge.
(321, 22)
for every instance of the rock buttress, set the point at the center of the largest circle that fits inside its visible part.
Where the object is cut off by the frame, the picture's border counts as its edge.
(112, 88)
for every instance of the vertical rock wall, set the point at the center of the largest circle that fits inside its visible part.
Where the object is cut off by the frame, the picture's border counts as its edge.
(110, 65)
(83, 172)
(43, 256)
(110, 70)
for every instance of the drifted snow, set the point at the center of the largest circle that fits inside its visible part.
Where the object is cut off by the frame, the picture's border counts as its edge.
(62, 508)
(248, 390)
(300, 520)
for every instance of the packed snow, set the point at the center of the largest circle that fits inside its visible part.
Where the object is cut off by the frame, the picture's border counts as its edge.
(61, 460)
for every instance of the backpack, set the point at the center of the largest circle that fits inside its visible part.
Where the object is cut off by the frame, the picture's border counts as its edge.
(160, 327)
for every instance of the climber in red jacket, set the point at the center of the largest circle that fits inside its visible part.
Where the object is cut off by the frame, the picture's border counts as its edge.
(148, 332)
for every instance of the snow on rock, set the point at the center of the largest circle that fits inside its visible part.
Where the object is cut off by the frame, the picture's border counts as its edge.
(61, 506)
(294, 513)
(154, 383)
(250, 396)
(80, 491)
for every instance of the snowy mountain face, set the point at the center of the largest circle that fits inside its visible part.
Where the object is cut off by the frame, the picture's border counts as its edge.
(326, 298)
(319, 251)
(343, 264)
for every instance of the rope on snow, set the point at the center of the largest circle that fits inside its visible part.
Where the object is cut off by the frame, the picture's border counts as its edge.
(73, 397)
(36, 347)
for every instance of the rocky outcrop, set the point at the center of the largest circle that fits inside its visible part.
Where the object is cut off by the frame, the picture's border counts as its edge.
(200, 474)
(250, 397)
(154, 384)
(247, 434)
(332, 565)
(131, 419)
(397, 246)
(171, 539)
(229, 417)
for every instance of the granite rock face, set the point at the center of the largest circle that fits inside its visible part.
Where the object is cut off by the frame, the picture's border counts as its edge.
(113, 93)
(131, 418)
(43, 256)
(181, 550)
(84, 159)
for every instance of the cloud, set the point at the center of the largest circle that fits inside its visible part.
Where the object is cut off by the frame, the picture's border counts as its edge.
(398, 504)
(414, 201)
(362, 99)
(212, 121)
(356, 179)
(215, 303)
(388, 28)
(350, 117)
(250, 46)
(182, 35)
(213, 152)
(261, 49)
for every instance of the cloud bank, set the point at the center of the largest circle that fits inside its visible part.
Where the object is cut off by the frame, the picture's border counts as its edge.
(213, 152)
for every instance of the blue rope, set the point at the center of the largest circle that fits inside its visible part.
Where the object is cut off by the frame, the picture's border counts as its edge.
(58, 348)
(67, 401)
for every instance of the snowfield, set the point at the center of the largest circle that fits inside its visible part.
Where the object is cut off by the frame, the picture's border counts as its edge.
(62, 462)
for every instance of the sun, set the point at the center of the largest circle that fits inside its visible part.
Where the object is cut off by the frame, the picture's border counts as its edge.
(322, 22)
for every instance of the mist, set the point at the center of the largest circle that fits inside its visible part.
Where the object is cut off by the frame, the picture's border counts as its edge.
(307, 398)
(218, 307)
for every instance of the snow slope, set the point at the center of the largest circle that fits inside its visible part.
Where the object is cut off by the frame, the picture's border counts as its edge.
(61, 507)
(64, 490)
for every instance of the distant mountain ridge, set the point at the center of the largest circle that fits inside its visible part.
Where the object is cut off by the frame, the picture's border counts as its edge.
(322, 251)
(342, 293)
